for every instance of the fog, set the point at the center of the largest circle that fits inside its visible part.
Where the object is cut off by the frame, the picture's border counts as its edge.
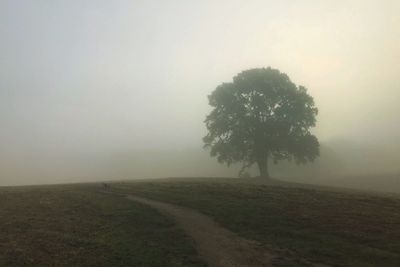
(109, 90)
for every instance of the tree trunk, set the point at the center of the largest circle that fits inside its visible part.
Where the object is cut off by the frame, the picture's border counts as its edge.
(263, 167)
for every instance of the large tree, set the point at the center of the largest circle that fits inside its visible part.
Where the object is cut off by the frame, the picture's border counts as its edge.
(261, 115)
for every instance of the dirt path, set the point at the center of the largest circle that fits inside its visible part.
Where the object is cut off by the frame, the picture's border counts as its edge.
(218, 246)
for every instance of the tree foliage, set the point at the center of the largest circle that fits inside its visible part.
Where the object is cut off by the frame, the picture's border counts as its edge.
(261, 115)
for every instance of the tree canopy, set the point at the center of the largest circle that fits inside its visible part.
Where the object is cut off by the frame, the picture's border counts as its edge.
(261, 115)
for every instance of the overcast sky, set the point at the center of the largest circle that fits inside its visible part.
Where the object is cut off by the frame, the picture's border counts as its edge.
(97, 76)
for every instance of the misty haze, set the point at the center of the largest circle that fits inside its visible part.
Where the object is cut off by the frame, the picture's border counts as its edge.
(271, 126)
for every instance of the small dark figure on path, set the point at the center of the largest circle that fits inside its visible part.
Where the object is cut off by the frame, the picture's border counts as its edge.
(106, 186)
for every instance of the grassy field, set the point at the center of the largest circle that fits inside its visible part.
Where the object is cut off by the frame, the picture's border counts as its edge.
(75, 226)
(304, 225)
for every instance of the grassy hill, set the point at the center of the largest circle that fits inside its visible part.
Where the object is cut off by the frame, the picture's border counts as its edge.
(77, 225)
(305, 225)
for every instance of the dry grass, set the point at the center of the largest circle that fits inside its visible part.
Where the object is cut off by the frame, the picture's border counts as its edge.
(75, 226)
(305, 225)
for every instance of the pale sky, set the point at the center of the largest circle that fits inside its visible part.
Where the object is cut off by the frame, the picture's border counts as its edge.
(98, 76)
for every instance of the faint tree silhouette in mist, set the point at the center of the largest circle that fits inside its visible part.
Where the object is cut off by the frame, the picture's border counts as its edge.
(261, 115)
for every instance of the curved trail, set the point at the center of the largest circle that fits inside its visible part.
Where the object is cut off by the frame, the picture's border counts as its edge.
(218, 246)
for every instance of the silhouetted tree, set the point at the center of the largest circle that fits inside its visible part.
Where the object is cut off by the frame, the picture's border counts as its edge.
(261, 115)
